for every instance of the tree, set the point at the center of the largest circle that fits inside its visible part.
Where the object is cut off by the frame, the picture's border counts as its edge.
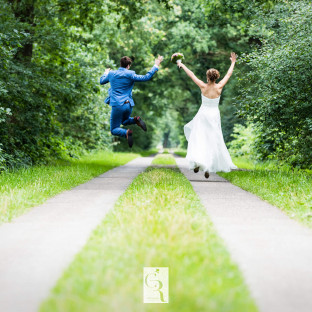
(275, 92)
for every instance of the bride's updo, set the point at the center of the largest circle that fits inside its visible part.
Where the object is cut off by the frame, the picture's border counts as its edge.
(212, 74)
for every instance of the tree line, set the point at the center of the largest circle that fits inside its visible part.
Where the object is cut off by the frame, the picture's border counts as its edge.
(52, 54)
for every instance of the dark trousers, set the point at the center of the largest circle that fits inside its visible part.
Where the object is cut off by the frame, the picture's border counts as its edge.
(120, 115)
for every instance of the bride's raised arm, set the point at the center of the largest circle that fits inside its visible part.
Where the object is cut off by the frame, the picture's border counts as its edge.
(200, 83)
(223, 82)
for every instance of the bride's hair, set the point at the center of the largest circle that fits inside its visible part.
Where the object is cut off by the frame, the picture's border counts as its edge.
(212, 74)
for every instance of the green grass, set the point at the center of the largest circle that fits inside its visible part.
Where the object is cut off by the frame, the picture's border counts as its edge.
(25, 188)
(291, 191)
(149, 152)
(180, 152)
(158, 221)
(164, 159)
(144, 153)
(245, 163)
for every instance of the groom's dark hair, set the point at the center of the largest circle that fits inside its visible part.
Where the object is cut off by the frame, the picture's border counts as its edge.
(125, 61)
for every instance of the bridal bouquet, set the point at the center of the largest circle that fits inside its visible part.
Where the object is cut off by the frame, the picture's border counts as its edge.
(177, 58)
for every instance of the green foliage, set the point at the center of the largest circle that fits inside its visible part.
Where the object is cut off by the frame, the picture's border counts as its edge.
(244, 138)
(171, 99)
(51, 57)
(51, 105)
(53, 53)
(276, 91)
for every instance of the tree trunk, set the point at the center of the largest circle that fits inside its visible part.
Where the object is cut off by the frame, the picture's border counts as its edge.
(24, 10)
(166, 139)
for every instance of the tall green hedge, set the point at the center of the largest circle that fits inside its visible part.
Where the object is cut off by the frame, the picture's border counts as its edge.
(276, 91)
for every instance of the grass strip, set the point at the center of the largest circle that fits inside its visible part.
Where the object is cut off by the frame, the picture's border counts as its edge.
(164, 159)
(181, 152)
(25, 188)
(158, 222)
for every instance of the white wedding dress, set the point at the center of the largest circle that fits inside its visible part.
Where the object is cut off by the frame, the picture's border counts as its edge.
(206, 148)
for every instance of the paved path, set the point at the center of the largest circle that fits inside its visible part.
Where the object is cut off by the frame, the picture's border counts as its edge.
(36, 247)
(273, 252)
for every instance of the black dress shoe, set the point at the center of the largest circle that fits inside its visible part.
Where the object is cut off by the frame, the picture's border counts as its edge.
(206, 174)
(140, 123)
(129, 137)
(196, 169)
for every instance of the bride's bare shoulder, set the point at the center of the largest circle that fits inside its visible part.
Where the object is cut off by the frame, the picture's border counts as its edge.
(218, 86)
(211, 91)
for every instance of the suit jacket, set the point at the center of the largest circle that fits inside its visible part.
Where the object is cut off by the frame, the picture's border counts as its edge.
(122, 82)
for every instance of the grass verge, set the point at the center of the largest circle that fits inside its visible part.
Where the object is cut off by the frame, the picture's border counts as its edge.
(164, 159)
(180, 152)
(158, 222)
(290, 191)
(25, 188)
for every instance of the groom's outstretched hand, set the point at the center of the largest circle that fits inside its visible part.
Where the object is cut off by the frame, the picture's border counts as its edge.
(159, 60)
(107, 71)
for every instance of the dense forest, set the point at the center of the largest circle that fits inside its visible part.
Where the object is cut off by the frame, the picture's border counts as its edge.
(52, 54)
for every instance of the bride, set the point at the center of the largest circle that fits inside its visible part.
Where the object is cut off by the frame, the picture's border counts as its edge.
(206, 149)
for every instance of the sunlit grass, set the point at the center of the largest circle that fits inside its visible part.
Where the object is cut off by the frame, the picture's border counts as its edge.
(25, 188)
(180, 152)
(144, 153)
(291, 191)
(164, 159)
(149, 152)
(244, 163)
(158, 221)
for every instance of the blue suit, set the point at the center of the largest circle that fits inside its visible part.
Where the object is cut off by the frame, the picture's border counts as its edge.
(120, 96)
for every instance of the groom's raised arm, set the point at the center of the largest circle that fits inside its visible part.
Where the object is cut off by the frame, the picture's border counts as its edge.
(151, 73)
(146, 77)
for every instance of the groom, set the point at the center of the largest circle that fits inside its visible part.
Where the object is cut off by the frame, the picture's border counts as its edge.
(120, 96)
